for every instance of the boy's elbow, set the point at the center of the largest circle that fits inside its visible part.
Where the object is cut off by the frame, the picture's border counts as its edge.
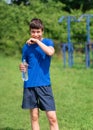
(51, 52)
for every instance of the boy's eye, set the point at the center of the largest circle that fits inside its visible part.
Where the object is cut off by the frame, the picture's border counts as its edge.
(35, 32)
(32, 32)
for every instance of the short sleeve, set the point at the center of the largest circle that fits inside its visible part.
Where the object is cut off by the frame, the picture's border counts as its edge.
(51, 43)
(48, 42)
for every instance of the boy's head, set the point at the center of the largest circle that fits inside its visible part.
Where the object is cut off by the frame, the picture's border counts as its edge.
(36, 24)
(36, 28)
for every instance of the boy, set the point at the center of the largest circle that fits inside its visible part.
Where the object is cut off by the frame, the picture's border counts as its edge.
(37, 89)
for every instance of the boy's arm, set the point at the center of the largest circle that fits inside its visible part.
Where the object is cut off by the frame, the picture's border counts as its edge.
(49, 50)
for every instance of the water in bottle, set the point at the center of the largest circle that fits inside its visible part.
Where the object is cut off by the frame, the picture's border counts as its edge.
(25, 74)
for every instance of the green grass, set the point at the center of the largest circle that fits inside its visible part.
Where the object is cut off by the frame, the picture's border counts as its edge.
(73, 92)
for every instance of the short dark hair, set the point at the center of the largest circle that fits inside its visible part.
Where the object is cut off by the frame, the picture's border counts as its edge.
(36, 24)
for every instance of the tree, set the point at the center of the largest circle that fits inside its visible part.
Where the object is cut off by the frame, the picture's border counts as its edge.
(84, 5)
(18, 2)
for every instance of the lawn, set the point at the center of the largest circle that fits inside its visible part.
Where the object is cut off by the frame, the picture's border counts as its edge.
(73, 92)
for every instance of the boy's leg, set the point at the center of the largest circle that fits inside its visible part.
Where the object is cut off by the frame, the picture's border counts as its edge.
(34, 115)
(52, 120)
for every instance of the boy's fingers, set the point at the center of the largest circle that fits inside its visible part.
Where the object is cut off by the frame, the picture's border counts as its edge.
(21, 67)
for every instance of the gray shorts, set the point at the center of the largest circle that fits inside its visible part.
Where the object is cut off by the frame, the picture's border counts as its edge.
(38, 97)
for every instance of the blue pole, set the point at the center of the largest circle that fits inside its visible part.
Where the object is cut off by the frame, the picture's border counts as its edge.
(88, 41)
(69, 45)
(68, 28)
(69, 41)
(68, 38)
(64, 54)
(88, 28)
(87, 49)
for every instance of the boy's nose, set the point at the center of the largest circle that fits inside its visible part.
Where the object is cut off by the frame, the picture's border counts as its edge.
(36, 33)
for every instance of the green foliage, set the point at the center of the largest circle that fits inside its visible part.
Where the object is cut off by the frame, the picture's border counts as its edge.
(14, 24)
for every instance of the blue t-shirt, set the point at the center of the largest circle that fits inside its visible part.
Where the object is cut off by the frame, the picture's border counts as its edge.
(38, 64)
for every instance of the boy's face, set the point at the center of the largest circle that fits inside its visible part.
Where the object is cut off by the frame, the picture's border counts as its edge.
(36, 33)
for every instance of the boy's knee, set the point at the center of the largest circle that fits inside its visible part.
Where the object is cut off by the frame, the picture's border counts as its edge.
(34, 117)
(52, 120)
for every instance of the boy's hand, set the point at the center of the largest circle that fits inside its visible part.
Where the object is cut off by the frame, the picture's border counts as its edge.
(31, 41)
(22, 67)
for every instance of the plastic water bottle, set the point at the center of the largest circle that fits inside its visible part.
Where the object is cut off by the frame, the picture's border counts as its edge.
(25, 74)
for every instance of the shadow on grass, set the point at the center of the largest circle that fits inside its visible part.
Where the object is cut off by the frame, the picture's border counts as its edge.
(8, 128)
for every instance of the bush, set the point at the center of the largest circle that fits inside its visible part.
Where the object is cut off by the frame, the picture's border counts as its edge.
(15, 29)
